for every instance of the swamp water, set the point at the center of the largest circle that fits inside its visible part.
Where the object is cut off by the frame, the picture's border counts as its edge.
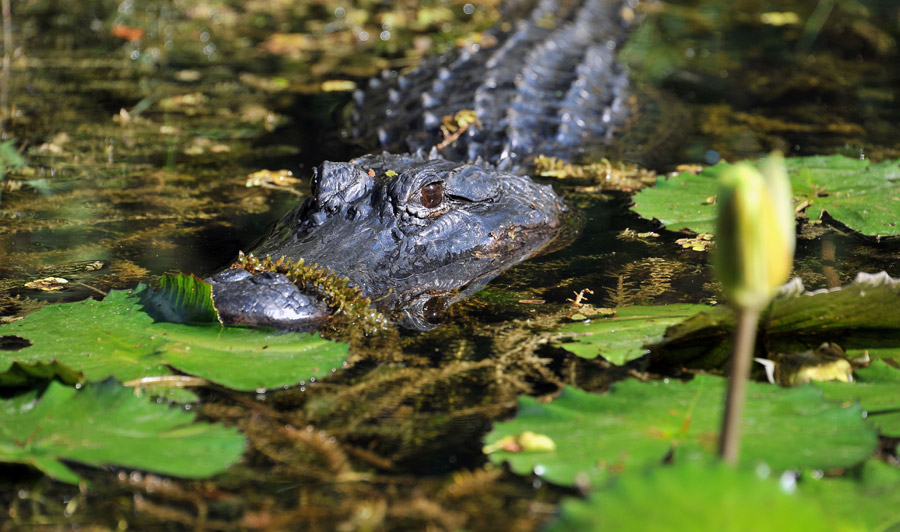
(140, 123)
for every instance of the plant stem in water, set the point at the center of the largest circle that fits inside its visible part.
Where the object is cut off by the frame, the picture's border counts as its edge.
(744, 342)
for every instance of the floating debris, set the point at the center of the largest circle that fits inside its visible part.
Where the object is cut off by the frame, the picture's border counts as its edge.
(524, 442)
(48, 284)
(452, 127)
(277, 178)
(701, 242)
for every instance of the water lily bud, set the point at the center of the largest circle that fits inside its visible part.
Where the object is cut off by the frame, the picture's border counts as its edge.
(755, 234)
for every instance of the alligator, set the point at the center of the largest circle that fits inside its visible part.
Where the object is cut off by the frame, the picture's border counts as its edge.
(423, 228)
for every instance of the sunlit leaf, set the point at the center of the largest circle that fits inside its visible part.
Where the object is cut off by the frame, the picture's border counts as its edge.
(877, 388)
(105, 424)
(621, 338)
(639, 424)
(682, 201)
(862, 195)
(180, 299)
(116, 338)
(692, 497)
(869, 496)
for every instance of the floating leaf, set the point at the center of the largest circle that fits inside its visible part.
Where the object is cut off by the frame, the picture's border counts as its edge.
(114, 337)
(680, 202)
(180, 299)
(870, 496)
(861, 315)
(641, 423)
(877, 388)
(105, 424)
(862, 195)
(692, 497)
(621, 338)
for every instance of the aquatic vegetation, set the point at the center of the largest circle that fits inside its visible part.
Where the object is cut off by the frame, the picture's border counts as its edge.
(876, 390)
(117, 338)
(622, 337)
(141, 127)
(105, 424)
(856, 193)
(689, 496)
(346, 301)
(638, 425)
(180, 299)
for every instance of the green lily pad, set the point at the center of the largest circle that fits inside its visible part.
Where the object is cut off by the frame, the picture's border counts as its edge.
(116, 338)
(862, 195)
(877, 388)
(621, 338)
(638, 424)
(695, 497)
(684, 201)
(105, 424)
(869, 497)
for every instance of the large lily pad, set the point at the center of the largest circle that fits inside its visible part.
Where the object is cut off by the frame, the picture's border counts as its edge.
(862, 195)
(877, 388)
(116, 338)
(621, 338)
(869, 496)
(105, 424)
(638, 424)
(692, 497)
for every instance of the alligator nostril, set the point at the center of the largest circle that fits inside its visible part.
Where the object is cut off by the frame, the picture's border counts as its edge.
(433, 310)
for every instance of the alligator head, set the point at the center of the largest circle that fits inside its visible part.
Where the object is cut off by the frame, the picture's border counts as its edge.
(414, 234)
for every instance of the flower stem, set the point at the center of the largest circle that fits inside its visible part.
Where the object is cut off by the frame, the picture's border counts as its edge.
(744, 340)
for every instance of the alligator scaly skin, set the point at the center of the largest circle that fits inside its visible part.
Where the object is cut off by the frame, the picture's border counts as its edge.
(546, 84)
(419, 230)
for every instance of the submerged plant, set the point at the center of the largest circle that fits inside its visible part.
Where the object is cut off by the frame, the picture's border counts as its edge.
(755, 249)
(345, 300)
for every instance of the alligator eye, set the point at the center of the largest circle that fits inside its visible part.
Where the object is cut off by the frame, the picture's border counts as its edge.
(432, 194)
(433, 310)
